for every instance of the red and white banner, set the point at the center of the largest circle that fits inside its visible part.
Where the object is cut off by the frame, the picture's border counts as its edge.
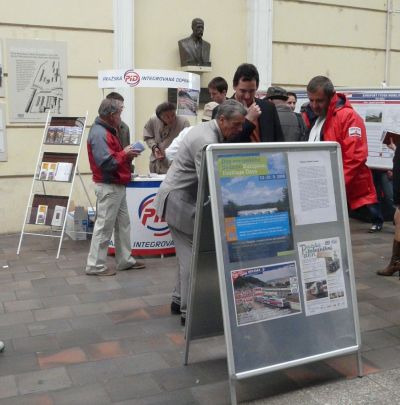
(120, 78)
(149, 234)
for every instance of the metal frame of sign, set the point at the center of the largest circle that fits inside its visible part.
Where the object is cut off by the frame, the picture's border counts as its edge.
(284, 341)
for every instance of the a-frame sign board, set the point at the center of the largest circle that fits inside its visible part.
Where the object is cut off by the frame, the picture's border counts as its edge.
(272, 265)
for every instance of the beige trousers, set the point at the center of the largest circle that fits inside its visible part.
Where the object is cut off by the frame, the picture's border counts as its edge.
(111, 214)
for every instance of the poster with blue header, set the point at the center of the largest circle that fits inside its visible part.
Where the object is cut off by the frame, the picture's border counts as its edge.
(255, 205)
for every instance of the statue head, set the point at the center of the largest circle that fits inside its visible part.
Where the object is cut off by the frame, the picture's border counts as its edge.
(198, 28)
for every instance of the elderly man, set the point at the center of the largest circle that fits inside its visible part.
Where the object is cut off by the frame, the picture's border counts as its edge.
(176, 198)
(159, 132)
(193, 50)
(110, 165)
(337, 121)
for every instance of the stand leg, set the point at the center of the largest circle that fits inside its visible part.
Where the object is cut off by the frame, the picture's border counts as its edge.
(359, 364)
(232, 390)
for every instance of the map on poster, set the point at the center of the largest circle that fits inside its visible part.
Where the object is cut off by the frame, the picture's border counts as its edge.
(256, 208)
(265, 293)
(37, 79)
(321, 270)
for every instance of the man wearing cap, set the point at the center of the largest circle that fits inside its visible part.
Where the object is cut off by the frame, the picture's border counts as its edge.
(292, 125)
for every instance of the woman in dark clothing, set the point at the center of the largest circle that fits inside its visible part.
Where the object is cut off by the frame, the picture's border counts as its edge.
(394, 264)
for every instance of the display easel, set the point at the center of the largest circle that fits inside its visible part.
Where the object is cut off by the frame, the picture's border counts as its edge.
(307, 311)
(55, 171)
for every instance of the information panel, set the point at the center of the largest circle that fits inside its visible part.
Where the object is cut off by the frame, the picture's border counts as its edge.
(284, 255)
(380, 110)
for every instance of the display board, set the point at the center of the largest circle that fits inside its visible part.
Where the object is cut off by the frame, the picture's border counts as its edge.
(282, 244)
(37, 75)
(380, 110)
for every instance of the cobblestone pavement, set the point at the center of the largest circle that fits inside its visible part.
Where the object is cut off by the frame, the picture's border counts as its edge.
(74, 339)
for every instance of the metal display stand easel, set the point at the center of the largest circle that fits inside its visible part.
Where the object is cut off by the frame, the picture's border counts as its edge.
(50, 149)
(292, 319)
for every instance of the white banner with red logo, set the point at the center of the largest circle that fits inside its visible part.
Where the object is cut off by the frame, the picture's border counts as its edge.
(149, 234)
(147, 78)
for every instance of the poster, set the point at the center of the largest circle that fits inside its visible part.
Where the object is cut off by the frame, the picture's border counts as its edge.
(256, 209)
(312, 187)
(380, 110)
(37, 79)
(265, 293)
(187, 102)
(321, 270)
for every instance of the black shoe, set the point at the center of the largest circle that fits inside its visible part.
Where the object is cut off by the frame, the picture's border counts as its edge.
(175, 308)
(375, 228)
(183, 320)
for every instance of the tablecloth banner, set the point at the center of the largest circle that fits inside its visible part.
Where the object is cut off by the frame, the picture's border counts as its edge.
(120, 78)
(149, 234)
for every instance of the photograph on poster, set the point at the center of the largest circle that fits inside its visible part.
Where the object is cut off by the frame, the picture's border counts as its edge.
(321, 270)
(264, 293)
(38, 79)
(187, 102)
(256, 208)
(312, 187)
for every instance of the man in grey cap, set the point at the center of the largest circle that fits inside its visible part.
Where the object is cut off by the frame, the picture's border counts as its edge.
(293, 126)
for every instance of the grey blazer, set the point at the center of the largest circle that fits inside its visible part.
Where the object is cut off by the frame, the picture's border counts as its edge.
(177, 195)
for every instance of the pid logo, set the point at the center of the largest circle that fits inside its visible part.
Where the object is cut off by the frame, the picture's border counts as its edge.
(132, 78)
(149, 218)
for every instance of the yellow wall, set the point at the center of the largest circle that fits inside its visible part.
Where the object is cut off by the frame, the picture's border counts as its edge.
(340, 38)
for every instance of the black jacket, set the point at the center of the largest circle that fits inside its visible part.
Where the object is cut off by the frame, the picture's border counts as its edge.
(268, 121)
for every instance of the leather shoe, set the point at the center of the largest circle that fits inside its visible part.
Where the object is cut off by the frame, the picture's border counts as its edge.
(375, 228)
(136, 266)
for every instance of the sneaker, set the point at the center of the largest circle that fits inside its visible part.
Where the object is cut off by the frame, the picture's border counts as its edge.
(136, 266)
(375, 228)
(175, 308)
(107, 272)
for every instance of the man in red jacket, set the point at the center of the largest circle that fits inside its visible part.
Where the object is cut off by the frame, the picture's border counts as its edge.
(338, 121)
(110, 165)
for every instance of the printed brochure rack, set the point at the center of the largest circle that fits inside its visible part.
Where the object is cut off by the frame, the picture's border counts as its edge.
(56, 164)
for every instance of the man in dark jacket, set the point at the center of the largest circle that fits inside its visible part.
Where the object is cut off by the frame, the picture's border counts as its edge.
(262, 121)
(292, 125)
(110, 165)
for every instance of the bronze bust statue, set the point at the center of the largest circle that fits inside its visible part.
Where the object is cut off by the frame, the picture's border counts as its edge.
(193, 50)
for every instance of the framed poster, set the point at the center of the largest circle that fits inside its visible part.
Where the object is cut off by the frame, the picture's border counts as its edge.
(37, 79)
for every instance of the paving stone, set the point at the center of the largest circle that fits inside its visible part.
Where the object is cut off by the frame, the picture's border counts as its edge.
(134, 386)
(181, 397)
(33, 399)
(53, 313)
(43, 380)
(87, 395)
(22, 305)
(61, 358)
(372, 322)
(385, 358)
(48, 327)
(141, 363)
(127, 303)
(95, 371)
(379, 338)
(15, 318)
(18, 363)
(34, 344)
(105, 350)
(13, 331)
(99, 321)
(59, 301)
(8, 386)
(90, 309)
(81, 337)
